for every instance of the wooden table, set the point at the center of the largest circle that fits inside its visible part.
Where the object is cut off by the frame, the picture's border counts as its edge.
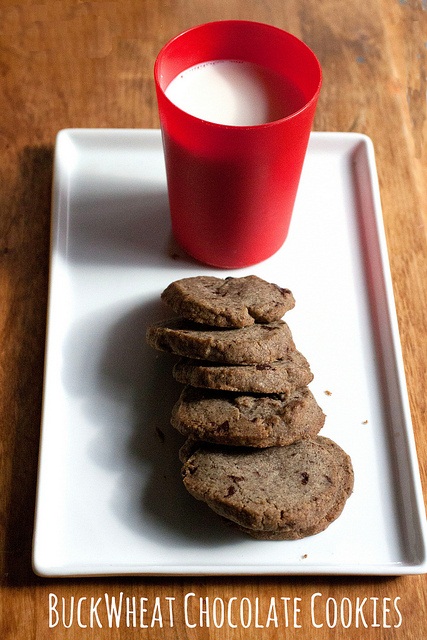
(65, 63)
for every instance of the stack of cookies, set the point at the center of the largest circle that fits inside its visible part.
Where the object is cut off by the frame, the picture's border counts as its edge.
(253, 453)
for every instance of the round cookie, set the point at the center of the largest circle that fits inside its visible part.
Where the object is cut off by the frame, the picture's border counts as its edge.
(247, 420)
(277, 489)
(258, 343)
(284, 376)
(229, 302)
(345, 488)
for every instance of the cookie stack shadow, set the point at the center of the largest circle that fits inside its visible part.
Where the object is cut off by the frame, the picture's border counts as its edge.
(253, 452)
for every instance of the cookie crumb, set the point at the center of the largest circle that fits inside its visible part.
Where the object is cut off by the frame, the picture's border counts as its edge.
(365, 422)
(304, 556)
(328, 393)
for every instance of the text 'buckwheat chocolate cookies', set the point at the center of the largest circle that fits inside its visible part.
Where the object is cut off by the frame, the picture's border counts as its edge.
(247, 420)
(277, 492)
(229, 302)
(253, 453)
(248, 345)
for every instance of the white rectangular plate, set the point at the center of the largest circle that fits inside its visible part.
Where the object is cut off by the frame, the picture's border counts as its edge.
(110, 498)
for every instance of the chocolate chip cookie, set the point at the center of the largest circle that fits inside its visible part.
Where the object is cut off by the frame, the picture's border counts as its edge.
(247, 420)
(278, 490)
(229, 302)
(345, 489)
(258, 343)
(283, 376)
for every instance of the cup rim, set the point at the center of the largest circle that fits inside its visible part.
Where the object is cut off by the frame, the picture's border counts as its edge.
(235, 127)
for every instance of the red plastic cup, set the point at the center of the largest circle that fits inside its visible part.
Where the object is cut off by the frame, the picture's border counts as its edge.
(232, 188)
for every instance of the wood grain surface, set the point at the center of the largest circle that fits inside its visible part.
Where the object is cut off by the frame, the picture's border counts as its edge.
(66, 63)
